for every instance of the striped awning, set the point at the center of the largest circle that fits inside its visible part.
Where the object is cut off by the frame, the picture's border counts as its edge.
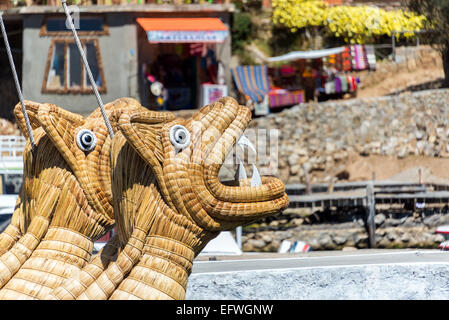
(252, 81)
(182, 30)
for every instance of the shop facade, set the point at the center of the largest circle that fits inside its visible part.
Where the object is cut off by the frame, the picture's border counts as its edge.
(122, 58)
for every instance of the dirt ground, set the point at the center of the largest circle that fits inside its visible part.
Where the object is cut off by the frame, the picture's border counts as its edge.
(391, 168)
(420, 79)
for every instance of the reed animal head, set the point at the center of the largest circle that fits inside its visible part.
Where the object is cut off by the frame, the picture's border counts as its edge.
(81, 145)
(186, 157)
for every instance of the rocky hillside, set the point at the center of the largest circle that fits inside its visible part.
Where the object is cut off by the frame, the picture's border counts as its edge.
(321, 139)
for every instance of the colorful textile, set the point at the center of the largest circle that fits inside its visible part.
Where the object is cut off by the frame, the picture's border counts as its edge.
(337, 85)
(329, 87)
(281, 98)
(358, 57)
(346, 59)
(252, 81)
(352, 83)
(344, 83)
(287, 71)
(197, 49)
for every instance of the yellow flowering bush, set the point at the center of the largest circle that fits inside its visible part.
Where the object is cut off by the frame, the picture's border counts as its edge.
(355, 24)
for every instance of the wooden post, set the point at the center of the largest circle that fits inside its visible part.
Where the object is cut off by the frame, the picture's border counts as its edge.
(393, 46)
(307, 181)
(238, 237)
(370, 213)
(420, 176)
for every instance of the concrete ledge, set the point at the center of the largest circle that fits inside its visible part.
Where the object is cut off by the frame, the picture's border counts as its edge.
(361, 277)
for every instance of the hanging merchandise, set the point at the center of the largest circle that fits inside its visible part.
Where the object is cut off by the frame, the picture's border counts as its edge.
(156, 88)
(197, 49)
(221, 74)
(329, 87)
(344, 83)
(287, 71)
(209, 63)
(346, 59)
(358, 57)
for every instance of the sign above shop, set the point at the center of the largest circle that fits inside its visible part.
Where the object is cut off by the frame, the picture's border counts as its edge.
(177, 30)
(186, 36)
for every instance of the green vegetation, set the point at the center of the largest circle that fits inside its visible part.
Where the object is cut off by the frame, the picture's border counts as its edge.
(437, 13)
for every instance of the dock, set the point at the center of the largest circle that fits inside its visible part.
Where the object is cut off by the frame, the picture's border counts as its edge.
(367, 195)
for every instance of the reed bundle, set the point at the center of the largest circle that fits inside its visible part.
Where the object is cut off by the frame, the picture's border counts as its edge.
(166, 201)
(168, 204)
(71, 190)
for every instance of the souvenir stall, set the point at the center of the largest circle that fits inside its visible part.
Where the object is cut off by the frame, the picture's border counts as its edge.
(180, 63)
(323, 74)
(305, 76)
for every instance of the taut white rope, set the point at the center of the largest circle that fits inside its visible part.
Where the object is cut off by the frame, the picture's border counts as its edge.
(86, 65)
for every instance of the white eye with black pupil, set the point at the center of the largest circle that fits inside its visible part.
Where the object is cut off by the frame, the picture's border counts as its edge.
(179, 137)
(86, 140)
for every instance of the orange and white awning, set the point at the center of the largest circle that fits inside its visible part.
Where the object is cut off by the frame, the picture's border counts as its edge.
(176, 30)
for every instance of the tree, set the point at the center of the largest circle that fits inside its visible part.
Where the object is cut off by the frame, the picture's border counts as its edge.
(353, 24)
(437, 13)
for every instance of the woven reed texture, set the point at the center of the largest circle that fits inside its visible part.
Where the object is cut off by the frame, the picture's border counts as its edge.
(197, 206)
(43, 178)
(67, 200)
(14, 230)
(167, 204)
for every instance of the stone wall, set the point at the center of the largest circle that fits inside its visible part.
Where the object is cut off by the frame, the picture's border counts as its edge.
(318, 138)
(339, 229)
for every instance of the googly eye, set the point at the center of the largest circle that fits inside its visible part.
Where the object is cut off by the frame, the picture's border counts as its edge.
(179, 137)
(86, 140)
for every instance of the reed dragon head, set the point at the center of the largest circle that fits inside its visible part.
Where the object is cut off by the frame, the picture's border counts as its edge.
(186, 157)
(79, 147)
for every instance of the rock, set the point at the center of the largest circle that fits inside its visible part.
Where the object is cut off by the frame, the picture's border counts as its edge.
(419, 135)
(293, 160)
(267, 238)
(273, 246)
(302, 152)
(391, 235)
(349, 249)
(253, 245)
(361, 239)
(326, 242)
(403, 152)
(383, 243)
(432, 220)
(361, 222)
(379, 219)
(405, 238)
(294, 170)
(339, 240)
(297, 221)
(274, 223)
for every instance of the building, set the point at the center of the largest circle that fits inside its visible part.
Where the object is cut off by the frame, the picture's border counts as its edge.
(129, 47)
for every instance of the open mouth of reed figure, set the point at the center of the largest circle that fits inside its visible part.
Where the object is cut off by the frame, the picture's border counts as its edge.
(215, 131)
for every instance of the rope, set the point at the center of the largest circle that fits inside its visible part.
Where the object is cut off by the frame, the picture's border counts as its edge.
(89, 73)
(16, 80)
